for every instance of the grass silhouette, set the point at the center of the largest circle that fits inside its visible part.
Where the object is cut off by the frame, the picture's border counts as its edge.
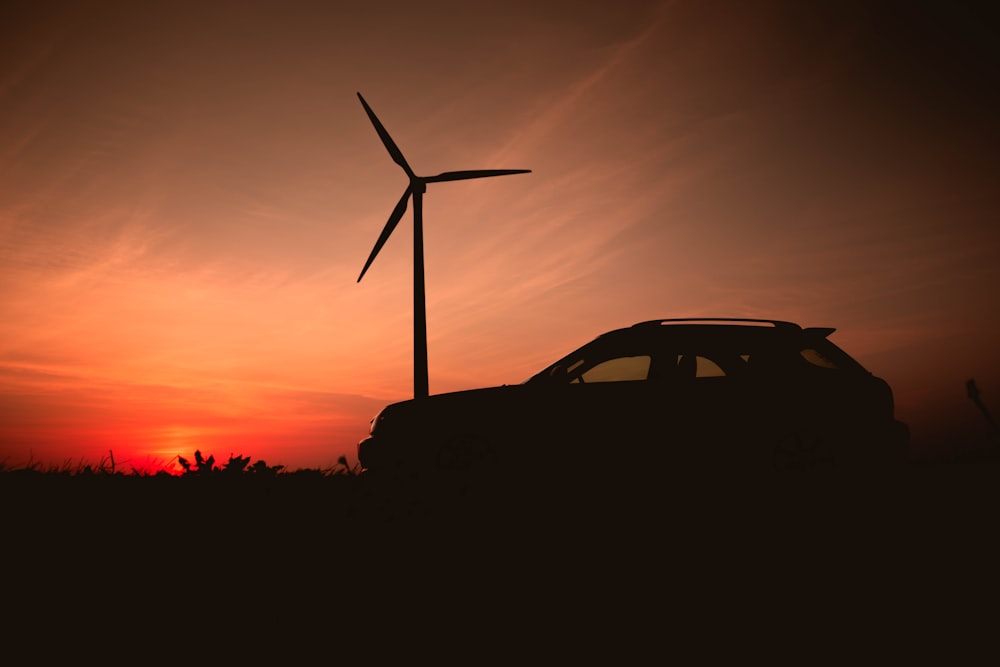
(248, 502)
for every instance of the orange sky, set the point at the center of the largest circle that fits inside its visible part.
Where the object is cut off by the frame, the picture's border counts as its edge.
(188, 192)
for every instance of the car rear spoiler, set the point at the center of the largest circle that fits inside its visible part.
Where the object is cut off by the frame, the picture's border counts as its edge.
(822, 332)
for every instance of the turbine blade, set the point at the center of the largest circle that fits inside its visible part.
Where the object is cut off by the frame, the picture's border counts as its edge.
(475, 173)
(390, 145)
(397, 213)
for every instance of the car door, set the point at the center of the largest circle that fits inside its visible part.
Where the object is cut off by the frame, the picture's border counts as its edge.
(598, 399)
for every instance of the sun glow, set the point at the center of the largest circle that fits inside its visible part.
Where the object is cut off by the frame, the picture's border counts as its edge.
(176, 439)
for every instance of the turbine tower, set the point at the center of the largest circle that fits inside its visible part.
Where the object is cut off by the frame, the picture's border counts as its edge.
(416, 189)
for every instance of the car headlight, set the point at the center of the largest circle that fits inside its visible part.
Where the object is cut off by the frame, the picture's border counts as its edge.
(376, 420)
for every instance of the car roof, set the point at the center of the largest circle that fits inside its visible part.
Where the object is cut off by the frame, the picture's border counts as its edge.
(713, 331)
(721, 324)
(739, 322)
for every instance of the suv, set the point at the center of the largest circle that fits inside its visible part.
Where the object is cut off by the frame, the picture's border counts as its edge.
(717, 392)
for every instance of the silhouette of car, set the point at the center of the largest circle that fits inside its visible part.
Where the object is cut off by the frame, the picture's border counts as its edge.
(671, 392)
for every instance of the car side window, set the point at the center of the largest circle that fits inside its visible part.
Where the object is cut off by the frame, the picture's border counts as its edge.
(817, 358)
(703, 366)
(619, 369)
(706, 368)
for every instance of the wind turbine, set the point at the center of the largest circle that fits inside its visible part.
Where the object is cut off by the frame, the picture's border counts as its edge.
(416, 189)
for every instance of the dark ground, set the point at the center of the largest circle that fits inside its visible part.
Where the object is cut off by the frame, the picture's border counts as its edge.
(586, 565)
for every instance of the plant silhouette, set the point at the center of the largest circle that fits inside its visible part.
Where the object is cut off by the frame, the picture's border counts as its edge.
(201, 466)
(974, 395)
(236, 466)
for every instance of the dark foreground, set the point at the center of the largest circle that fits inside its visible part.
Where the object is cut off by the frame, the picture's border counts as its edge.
(233, 515)
(602, 563)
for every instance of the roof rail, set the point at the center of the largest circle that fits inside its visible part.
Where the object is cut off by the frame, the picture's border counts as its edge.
(779, 324)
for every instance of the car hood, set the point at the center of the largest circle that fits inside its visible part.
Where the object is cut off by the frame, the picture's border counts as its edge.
(453, 408)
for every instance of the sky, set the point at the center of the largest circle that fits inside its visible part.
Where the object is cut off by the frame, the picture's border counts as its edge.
(188, 192)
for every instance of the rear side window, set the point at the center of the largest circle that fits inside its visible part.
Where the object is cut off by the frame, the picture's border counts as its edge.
(706, 368)
(709, 365)
(817, 358)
